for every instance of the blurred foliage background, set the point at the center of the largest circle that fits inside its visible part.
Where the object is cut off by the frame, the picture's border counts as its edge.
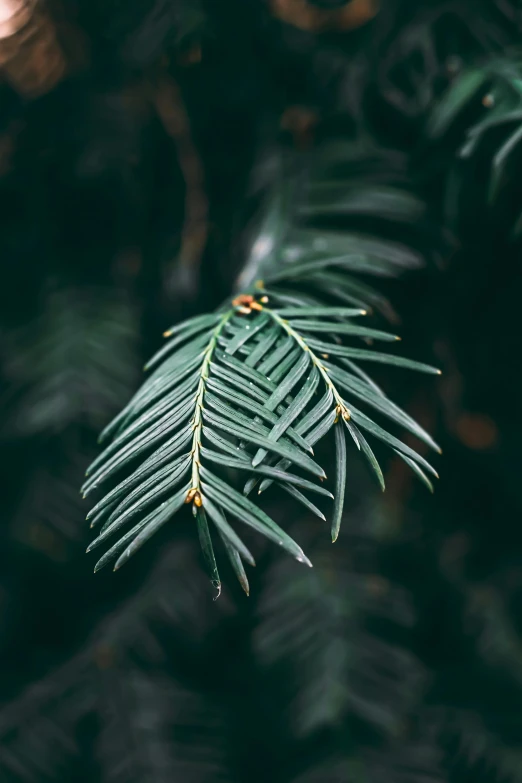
(138, 143)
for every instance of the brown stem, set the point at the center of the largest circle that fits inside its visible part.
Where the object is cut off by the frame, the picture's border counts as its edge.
(173, 114)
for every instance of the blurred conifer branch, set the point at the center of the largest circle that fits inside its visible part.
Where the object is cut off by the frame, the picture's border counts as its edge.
(321, 622)
(480, 117)
(72, 364)
(49, 517)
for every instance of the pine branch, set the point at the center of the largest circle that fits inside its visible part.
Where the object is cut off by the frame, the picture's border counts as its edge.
(253, 387)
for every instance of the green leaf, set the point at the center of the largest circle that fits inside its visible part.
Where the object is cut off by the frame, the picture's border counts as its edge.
(367, 424)
(500, 161)
(198, 320)
(352, 430)
(340, 478)
(380, 403)
(248, 373)
(266, 248)
(284, 367)
(265, 470)
(172, 368)
(236, 563)
(144, 500)
(170, 468)
(250, 436)
(266, 341)
(354, 368)
(498, 116)
(227, 377)
(321, 428)
(136, 447)
(326, 286)
(320, 312)
(372, 356)
(302, 325)
(352, 251)
(142, 531)
(418, 471)
(347, 288)
(249, 330)
(168, 404)
(297, 495)
(121, 544)
(156, 460)
(288, 382)
(227, 446)
(244, 510)
(151, 391)
(163, 515)
(226, 531)
(253, 481)
(197, 325)
(367, 451)
(383, 202)
(468, 85)
(296, 300)
(207, 548)
(135, 435)
(324, 405)
(295, 408)
(219, 406)
(253, 407)
(277, 356)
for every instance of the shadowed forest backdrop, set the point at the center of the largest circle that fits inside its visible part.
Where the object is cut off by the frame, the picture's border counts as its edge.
(146, 149)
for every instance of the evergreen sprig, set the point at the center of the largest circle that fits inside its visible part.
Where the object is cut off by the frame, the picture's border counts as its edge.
(252, 388)
(255, 386)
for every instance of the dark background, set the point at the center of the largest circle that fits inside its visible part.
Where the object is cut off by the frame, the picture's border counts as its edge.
(398, 658)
